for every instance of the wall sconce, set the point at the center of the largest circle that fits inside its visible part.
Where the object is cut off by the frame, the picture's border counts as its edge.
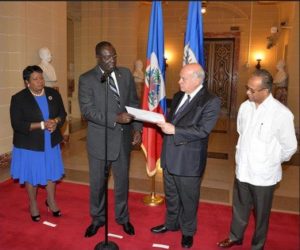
(258, 66)
(258, 56)
(203, 7)
(165, 62)
(168, 56)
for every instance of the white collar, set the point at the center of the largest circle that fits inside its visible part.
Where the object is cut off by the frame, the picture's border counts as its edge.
(192, 95)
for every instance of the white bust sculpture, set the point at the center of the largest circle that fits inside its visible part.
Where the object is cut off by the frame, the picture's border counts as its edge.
(139, 77)
(280, 79)
(138, 73)
(281, 83)
(48, 70)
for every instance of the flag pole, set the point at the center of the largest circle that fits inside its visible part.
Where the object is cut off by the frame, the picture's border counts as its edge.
(154, 97)
(153, 199)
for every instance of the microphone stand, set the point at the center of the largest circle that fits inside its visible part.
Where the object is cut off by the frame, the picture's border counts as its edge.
(106, 245)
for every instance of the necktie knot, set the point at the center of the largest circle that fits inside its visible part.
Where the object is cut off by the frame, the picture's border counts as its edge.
(182, 107)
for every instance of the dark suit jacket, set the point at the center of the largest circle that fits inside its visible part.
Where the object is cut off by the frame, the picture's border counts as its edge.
(24, 110)
(185, 152)
(92, 105)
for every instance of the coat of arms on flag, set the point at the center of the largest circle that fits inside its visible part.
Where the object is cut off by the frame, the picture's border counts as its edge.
(188, 55)
(154, 79)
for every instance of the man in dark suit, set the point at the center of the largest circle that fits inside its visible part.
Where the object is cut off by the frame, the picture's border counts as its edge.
(121, 93)
(194, 112)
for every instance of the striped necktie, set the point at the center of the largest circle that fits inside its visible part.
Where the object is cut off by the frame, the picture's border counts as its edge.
(182, 107)
(187, 101)
(114, 89)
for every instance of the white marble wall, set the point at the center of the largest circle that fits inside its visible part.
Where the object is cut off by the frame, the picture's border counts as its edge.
(24, 28)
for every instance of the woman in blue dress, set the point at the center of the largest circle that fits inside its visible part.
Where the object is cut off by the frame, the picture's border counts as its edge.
(37, 114)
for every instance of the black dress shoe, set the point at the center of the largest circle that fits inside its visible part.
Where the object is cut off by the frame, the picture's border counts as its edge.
(159, 229)
(128, 228)
(227, 243)
(92, 230)
(186, 241)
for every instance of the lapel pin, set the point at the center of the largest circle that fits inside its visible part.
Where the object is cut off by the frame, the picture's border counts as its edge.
(50, 98)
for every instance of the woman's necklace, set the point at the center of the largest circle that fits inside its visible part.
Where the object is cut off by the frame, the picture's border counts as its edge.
(35, 94)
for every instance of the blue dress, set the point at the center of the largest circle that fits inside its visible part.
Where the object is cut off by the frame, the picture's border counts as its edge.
(38, 167)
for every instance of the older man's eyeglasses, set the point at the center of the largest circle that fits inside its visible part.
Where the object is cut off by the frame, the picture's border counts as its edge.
(253, 91)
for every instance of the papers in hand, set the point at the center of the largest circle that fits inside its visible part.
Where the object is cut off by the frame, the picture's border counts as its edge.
(145, 116)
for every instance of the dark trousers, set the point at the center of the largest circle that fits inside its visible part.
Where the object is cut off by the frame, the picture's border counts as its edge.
(120, 169)
(246, 197)
(182, 199)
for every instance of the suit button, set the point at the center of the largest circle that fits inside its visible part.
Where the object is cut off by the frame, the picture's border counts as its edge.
(121, 129)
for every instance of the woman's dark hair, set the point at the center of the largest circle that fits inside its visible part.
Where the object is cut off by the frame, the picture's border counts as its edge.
(29, 70)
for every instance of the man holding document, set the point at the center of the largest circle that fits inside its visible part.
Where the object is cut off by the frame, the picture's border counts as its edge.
(194, 112)
(122, 133)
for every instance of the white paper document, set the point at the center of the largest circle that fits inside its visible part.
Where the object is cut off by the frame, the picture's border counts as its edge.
(115, 235)
(160, 246)
(49, 224)
(145, 116)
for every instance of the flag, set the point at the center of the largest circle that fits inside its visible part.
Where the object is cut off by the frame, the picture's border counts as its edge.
(193, 43)
(154, 97)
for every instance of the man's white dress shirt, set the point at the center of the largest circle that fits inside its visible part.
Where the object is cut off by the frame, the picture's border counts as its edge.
(192, 95)
(266, 139)
(113, 75)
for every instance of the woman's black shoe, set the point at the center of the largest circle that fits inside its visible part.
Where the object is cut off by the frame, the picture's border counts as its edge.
(36, 218)
(54, 213)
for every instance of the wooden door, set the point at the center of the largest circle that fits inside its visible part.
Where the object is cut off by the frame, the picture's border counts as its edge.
(219, 61)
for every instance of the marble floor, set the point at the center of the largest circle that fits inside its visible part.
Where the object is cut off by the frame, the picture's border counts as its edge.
(217, 181)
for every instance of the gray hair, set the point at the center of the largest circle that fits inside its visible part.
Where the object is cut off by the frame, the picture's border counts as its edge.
(200, 74)
(267, 79)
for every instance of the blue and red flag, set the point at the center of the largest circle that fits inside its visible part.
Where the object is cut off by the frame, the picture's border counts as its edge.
(154, 96)
(193, 43)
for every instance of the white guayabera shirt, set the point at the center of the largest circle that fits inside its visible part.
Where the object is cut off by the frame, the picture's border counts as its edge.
(266, 139)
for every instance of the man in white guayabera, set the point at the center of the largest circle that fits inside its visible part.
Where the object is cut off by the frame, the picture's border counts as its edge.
(48, 70)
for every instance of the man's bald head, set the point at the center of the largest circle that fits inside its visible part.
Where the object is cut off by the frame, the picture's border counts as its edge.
(191, 77)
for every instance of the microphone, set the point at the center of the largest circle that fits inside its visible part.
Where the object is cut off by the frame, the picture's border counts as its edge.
(105, 75)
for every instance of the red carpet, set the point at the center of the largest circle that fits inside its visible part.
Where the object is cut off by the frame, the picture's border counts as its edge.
(17, 231)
